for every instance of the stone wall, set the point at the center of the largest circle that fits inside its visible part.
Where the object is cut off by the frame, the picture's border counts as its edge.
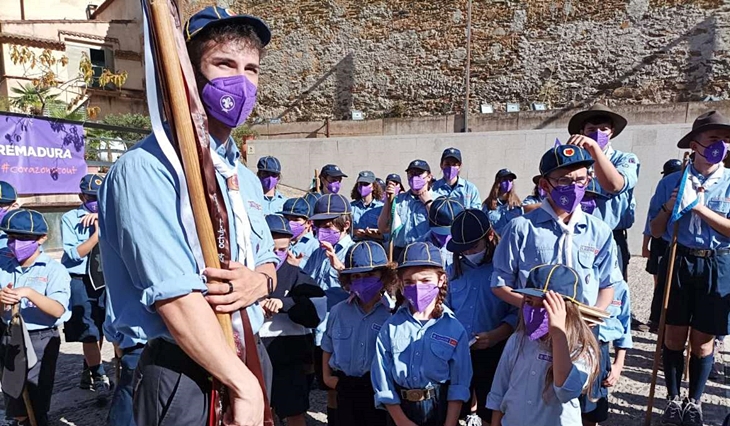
(407, 58)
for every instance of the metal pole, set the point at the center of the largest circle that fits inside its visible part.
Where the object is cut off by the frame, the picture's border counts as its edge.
(468, 66)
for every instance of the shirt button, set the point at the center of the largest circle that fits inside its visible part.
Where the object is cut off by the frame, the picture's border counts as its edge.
(529, 402)
(533, 373)
(361, 344)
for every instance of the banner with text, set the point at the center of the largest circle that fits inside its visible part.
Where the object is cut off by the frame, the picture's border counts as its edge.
(41, 156)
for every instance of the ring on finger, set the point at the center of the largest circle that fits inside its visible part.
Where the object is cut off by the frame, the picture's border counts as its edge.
(230, 288)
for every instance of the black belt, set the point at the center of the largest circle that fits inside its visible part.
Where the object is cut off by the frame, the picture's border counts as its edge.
(79, 276)
(42, 331)
(171, 356)
(701, 252)
(417, 395)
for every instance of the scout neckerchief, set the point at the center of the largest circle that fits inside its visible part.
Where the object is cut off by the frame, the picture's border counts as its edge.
(565, 241)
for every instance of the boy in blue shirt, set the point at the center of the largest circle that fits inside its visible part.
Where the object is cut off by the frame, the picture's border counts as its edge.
(454, 186)
(330, 179)
(42, 288)
(303, 243)
(366, 207)
(269, 173)
(441, 215)
(8, 201)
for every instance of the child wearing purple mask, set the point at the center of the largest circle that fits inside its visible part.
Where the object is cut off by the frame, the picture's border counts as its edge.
(366, 207)
(441, 215)
(330, 179)
(303, 241)
(422, 369)
(454, 186)
(551, 358)
(353, 325)
(502, 205)
(269, 173)
(296, 306)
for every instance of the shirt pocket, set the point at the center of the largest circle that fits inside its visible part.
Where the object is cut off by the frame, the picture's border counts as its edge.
(341, 344)
(439, 365)
(719, 205)
(587, 259)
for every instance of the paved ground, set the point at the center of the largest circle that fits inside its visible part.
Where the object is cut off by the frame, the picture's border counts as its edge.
(72, 406)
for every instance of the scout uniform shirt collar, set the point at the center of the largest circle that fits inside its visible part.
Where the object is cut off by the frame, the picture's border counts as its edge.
(383, 302)
(42, 259)
(565, 241)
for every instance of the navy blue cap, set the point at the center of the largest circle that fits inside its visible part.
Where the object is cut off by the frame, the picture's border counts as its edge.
(558, 278)
(366, 176)
(90, 184)
(24, 222)
(671, 166)
(330, 206)
(443, 211)
(298, 207)
(468, 228)
(269, 164)
(505, 173)
(278, 224)
(8, 194)
(393, 177)
(364, 256)
(419, 165)
(312, 198)
(420, 254)
(381, 183)
(451, 153)
(213, 15)
(595, 188)
(561, 156)
(333, 171)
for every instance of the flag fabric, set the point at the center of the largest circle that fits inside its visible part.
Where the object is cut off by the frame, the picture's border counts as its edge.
(687, 197)
(691, 192)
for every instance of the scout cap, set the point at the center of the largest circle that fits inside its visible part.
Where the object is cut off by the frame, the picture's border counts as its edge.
(8, 194)
(278, 225)
(213, 15)
(24, 222)
(708, 121)
(312, 198)
(298, 207)
(578, 121)
(451, 153)
(442, 213)
(366, 176)
(90, 184)
(269, 164)
(505, 173)
(330, 206)
(593, 187)
(365, 256)
(561, 156)
(381, 183)
(419, 165)
(393, 177)
(468, 228)
(671, 166)
(332, 171)
(420, 254)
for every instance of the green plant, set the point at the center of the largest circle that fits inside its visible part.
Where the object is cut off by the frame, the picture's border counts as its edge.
(32, 99)
(95, 137)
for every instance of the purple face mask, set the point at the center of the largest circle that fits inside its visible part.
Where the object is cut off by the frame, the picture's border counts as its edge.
(421, 295)
(365, 190)
(296, 228)
(417, 183)
(568, 197)
(715, 152)
(367, 288)
(333, 187)
(282, 255)
(505, 186)
(440, 240)
(327, 235)
(92, 206)
(450, 172)
(268, 183)
(601, 139)
(229, 100)
(588, 206)
(536, 321)
(22, 250)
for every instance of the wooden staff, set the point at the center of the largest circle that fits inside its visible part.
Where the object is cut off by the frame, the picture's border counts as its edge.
(26, 396)
(392, 217)
(663, 316)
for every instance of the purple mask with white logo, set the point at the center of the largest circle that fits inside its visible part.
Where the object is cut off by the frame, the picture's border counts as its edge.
(568, 197)
(715, 152)
(365, 190)
(327, 235)
(366, 288)
(229, 100)
(588, 206)
(92, 206)
(333, 187)
(420, 295)
(536, 321)
(450, 172)
(505, 186)
(282, 255)
(22, 250)
(296, 228)
(601, 139)
(268, 183)
(416, 183)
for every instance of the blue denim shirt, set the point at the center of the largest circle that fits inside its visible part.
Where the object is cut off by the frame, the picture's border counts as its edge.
(273, 205)
(619, 210)
(132, 335)
(73, 234)
(47, 277)
(366, 216)
(464, 192)
(412, 215)
(413, 355)
(617, 329)
(351, 334)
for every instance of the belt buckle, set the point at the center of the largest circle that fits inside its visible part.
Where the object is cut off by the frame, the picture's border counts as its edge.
(703, 253)
(414, 395)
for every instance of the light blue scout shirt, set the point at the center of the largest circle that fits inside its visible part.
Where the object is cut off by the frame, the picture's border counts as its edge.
(306, 245)
(502, 215)
(619, 210)
(351, 334)
(413, 355)
(413, 218)
(3, 240)
(717, 199)
(47, 277)
(464, 192)
(531, 199)
(132, 335)
(273, 205)
(366, 216)
(517, 390)
(534, 239)
(471, 298)
(74, 234)
(144, 247)
(617, 329)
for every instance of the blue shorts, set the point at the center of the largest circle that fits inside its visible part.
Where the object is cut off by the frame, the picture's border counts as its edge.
(87, 311)
(596, 411)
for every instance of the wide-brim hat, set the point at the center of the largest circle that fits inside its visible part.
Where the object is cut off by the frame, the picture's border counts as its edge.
(365, 256)
(710, 120)
(577, 122)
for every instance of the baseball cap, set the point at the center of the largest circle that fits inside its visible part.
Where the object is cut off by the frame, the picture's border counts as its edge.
(468, 228)
(298, 207)
(366, 176)
(278, 225)
(420, 254)
(505, 173)
(419, 165)
(215, 15)
(330, 206)
(451, 153)
(8, 194)
(333, 171)
(269, 164)
(364, 256)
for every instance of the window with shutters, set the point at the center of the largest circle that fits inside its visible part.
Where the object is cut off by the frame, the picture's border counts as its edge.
(101, 58)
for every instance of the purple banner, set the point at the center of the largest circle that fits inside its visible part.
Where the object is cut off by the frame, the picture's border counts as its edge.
(41, 156)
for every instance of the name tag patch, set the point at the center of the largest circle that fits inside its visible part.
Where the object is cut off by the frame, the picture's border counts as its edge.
(255, 205)
(376, 327)
(545, 357)
(446, 339)
(589, 249)
(616, 303)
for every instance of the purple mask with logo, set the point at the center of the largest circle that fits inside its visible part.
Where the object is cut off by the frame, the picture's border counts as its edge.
(365, 190)
(333, 187)
(416, 183)
(282, 255)
(715, 152)
(366, 288)
(568, 197)
(229, 100)
(92, 206)
(268, 183)
(327, 235)
(296, 228)
(22, 250)
(588, 206)
(420, 295)
(601, 139)
(450, 172)
(536, 321)
(440, 240)
(505, 186)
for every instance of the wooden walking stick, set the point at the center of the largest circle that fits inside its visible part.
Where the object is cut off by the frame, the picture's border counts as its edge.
(392, 220)
(663, 316)
(26, 396)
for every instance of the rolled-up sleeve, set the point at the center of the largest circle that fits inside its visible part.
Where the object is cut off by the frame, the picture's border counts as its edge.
(574, 384)
(625, 341)
(628, 167)
(69, 237)
(461, 371)
(381, 370)
(59, 289)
